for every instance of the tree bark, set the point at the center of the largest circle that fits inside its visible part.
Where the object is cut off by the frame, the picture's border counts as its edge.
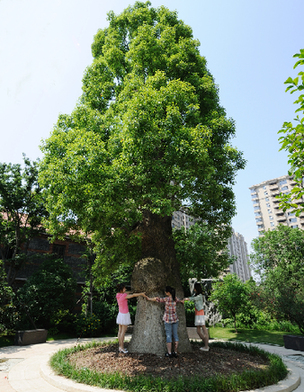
(157, 269)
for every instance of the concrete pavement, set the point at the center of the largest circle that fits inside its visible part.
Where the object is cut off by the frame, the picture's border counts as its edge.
(26, 369)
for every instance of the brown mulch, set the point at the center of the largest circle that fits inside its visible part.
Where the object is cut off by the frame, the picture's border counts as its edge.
(220, 361)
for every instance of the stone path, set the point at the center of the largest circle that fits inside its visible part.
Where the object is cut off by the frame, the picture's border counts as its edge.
(26, 369)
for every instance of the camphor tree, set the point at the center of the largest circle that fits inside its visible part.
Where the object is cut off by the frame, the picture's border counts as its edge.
(147, 137)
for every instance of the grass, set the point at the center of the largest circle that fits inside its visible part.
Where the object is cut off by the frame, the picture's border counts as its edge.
(248, 335)
(233, 383)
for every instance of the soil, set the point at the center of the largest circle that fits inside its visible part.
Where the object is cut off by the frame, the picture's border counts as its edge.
(220, 361)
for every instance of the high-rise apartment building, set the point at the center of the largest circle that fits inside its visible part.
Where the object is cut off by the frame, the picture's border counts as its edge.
(267, 213)
(237, 247)
(181, 219)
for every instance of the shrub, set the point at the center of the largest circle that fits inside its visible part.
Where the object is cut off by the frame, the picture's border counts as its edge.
(48, 295)
(8, 312)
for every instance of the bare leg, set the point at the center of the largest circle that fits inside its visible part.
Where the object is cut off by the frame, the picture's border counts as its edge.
(121, 335)
(199, 332)
(206, 336)
(169, 347)
(175, 346)
(203, 334)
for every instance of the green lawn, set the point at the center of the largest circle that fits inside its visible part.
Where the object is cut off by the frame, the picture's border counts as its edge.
(248, 335)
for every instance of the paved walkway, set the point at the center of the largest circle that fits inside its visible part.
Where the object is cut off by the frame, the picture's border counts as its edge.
(26, 369)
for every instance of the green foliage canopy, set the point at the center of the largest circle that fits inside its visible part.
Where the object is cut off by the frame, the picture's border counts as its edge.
(293, 142)
(230, 296)
(279, 256)
(8, 312)
(48, 294)
(148, 134)
(202, 252)
(21, 212)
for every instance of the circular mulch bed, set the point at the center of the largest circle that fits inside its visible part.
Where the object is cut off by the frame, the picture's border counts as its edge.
(217, 361)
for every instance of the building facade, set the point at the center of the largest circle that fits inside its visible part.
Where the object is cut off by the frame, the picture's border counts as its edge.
(267, 213)
(237, 247)
(181, 219)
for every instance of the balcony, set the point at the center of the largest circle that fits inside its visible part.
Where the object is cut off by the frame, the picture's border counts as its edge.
(276, 200)
(273, 188)
(275, 193)
(281, 218)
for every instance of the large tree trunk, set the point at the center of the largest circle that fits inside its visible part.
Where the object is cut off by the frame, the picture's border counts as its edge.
(157, 269)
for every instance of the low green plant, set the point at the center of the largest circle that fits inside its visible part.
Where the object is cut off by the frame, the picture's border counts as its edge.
(275, 371)
(88, 325)
(263, 323)
(7, 339)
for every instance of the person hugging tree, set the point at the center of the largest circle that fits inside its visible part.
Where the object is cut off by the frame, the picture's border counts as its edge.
(123, 318)
(199, 321)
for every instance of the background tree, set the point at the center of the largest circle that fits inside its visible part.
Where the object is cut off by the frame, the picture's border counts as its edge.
(201, 252)
(8, 312)
(48, 295)
(147, 138)
(278, 256)
(230, 296)
(293, 141)
(21, 213)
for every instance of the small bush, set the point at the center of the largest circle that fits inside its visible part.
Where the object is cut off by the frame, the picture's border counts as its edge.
(263, 323)
(88, 326)
(48, 295)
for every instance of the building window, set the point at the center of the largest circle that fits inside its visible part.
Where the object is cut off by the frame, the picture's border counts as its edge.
(291, 213)
(266, 193)
(270, 217)
(258, 219)
(284, 188)
(292, 220)
(271, 224)
(268, 205)
(282, 182)
(294, 226)
(269, 211)
(59, 250)
(264, 187)
(256, 208)
(266, 198)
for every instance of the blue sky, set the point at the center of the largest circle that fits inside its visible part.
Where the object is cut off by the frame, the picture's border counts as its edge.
(249, 47)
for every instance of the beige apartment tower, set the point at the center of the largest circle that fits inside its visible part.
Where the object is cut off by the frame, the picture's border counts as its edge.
(267, 213)
(237, 247)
